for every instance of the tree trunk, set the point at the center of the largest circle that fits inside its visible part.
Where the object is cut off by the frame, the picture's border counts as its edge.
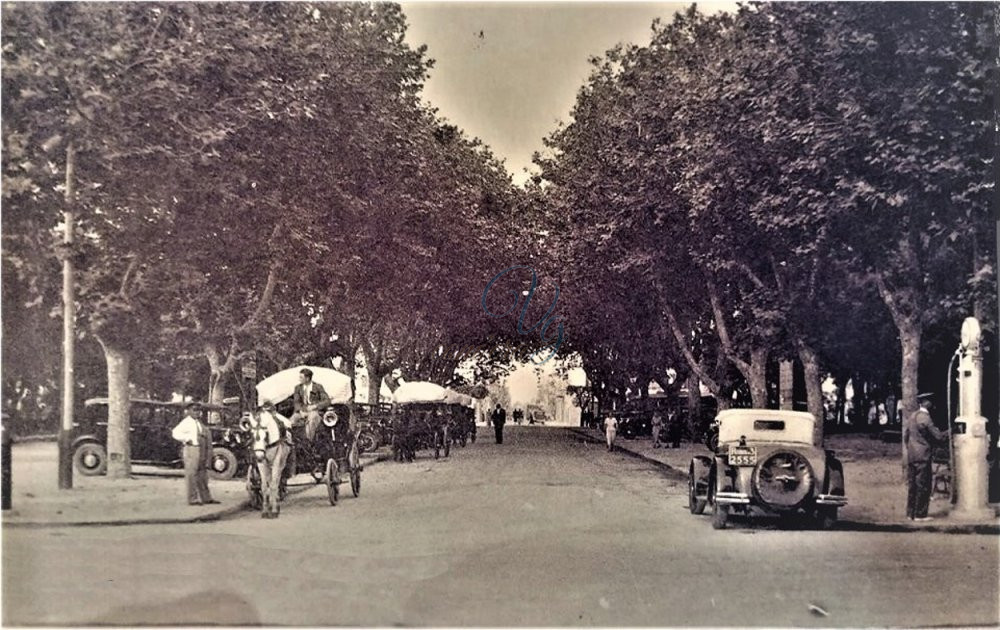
(814, 387)
(119, 409)
(757, 377)
(786, 387)
(350, 369)
(373, 363)
(903, 305)
(218, 375)
(217, 386)
(374, 387)
(909, 338)
(694, 404)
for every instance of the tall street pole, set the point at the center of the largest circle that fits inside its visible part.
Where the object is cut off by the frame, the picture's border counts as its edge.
(69, 330)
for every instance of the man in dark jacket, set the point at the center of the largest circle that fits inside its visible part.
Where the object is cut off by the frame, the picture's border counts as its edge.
(920, 435)
(309, 401)
(499, 418)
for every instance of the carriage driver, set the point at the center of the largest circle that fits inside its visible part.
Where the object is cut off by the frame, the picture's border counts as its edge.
(309, 401)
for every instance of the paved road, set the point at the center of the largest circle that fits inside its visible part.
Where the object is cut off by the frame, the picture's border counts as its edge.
(544, 530)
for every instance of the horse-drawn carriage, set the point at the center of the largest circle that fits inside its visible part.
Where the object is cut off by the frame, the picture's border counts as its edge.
(462, 417)
(421, 419)
(282, 449)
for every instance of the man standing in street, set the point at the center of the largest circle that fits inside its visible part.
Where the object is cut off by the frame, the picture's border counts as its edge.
(499, 419)
(309, 400)
(197, 453)
(610, 431)
(920, 435)
(656, 424)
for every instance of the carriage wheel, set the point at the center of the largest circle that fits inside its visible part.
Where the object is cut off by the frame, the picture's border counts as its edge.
(356, 481)
(332, 489)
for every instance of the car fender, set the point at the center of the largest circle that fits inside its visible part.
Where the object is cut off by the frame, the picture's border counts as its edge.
(83, 439)
(834, 482)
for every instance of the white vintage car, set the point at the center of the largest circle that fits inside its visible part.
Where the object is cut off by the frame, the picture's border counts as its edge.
(766, 461)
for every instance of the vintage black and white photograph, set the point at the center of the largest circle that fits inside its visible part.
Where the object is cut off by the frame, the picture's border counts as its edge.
(500, 314)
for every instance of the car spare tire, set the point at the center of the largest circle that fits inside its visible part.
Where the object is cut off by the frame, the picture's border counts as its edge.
(783, 480)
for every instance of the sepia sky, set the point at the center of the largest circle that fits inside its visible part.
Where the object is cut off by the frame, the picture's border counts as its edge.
(507, 72)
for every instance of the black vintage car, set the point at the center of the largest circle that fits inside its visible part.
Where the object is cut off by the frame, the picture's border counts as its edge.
(151, 442)
(374, 426)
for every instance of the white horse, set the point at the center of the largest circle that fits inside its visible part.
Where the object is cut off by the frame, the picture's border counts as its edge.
(270, 454)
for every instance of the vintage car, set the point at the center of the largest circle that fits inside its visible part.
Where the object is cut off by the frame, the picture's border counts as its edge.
(374, 425)
(151, 443)
(767, 462)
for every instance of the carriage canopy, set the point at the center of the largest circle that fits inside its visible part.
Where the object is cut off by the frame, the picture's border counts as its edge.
(281, 385)
(420, 392)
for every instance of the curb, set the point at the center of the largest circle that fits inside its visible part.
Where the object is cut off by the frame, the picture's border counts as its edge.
(667, 468)
(218, 515)
(858, 526)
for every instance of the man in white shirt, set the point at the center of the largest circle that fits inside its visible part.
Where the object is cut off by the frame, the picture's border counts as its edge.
(610, 430)
(197, 454)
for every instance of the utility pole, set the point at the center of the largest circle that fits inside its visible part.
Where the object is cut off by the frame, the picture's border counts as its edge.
(69, 329)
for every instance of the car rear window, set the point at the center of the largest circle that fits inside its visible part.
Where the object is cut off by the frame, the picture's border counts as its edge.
(769, 425)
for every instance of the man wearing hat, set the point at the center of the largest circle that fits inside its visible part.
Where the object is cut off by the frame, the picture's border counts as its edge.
(197, 454)
(920, 435)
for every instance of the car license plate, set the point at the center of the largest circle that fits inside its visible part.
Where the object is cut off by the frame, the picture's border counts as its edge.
(742, 456)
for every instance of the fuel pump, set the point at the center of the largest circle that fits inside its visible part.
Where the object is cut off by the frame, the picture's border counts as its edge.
(970, 439)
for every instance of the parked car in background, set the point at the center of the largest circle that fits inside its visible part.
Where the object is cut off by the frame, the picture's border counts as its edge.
(767, 462)
(375, 426)
(151, 442)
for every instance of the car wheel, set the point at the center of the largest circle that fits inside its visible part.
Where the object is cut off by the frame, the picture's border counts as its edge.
(224, 463)
(720, 515)
(367, 442)
(90, 458)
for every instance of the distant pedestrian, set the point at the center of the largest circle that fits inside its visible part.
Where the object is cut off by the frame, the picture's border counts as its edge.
(610, 431)
(656, 424)
(920, 435)
(674, 430)
(499, 419)
(197, 453)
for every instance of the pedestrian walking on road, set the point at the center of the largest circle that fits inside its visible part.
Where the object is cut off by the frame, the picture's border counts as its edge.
(610, 431)
(499, 419)
(920, 435)
(656, 424)
(197, 453)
